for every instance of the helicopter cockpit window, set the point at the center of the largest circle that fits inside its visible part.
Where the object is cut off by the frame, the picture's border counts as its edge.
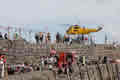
(76, 27)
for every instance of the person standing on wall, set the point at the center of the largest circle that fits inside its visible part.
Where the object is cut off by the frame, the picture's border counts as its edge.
(41, 37)
(57, 37)
(37, 38)
(48, 37)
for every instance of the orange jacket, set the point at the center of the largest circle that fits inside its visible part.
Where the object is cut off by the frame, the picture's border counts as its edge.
(62, 59)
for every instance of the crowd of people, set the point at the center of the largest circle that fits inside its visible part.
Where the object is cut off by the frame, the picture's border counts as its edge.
(61, 63)
(22, 68)
(40, 37)
(59, 38)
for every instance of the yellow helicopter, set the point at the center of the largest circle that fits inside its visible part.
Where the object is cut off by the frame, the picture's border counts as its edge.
(76, 29)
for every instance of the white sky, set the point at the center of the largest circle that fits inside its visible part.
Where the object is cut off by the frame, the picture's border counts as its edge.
(89, 12)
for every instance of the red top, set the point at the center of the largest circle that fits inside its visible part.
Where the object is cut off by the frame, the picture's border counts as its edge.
(86, 38)
(62, 59)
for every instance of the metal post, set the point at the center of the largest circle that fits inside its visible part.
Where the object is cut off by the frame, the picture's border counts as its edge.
(3, 71)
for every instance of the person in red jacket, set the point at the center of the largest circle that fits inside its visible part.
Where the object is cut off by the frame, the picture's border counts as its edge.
(61, 62)
(70, 60)
(65, 61)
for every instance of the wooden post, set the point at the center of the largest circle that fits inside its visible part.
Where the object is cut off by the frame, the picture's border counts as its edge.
(100, 73)
(114, 75)
(117, 71)
(79, 71)
(88, 73)
(110, 77)
(6, 72)
(3, 71)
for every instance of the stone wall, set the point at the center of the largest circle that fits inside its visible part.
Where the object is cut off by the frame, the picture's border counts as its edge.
(19, 48)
